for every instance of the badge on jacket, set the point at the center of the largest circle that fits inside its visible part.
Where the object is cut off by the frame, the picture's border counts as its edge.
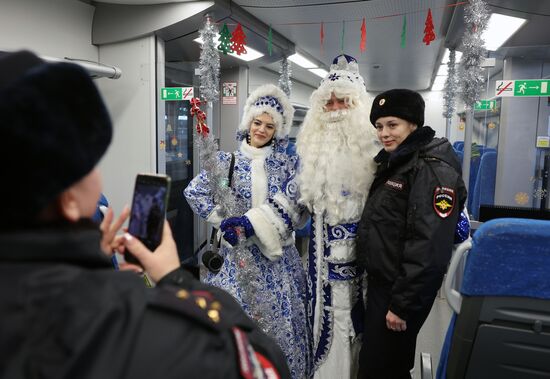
(444, 201)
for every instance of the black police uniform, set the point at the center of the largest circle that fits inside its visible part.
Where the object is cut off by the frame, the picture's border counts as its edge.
(65, 313)
(405, 240)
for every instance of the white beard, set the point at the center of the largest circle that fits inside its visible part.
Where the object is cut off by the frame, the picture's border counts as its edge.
(336, 151)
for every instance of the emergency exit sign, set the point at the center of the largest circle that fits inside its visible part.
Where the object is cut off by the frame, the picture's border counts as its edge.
(523, 88)
(483, 105)
(176, 93)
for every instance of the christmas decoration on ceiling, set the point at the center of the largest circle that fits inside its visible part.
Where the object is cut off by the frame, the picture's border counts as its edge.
(209, 63)
(238, 40)
(322, 36)
(476, 16)
(429, 34)
(270, 41)
(404, 32)
(225, 40)
(363, 43)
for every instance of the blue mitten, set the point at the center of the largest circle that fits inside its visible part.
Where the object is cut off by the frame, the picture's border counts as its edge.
(229, 228)
(231, 236)
(462, 230)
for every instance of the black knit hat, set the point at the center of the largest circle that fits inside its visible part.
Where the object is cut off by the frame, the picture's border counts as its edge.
(54, 128)
(402, 103)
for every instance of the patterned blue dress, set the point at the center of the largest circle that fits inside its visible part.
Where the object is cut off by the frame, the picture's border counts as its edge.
(271, 286)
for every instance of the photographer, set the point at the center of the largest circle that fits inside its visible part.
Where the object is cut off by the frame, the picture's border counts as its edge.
(64, 312)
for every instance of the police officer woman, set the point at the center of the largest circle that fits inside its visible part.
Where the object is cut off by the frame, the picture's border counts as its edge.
(406, 233)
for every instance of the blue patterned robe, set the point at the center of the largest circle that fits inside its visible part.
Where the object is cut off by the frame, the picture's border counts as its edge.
(278, 277)
(334, 284)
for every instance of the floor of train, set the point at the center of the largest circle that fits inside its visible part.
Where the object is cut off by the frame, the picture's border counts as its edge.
(431, 336)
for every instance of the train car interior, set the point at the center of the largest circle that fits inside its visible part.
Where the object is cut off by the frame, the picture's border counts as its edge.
(492, 320)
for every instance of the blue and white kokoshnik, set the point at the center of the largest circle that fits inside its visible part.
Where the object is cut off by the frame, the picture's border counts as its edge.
(273, 101)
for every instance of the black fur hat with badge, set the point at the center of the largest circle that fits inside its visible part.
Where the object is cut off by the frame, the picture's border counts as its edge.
(403, 103)
(54, 128)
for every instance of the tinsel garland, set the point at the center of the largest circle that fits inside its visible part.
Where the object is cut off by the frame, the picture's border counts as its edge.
(217, 176)
(284, 79)
(476, 16)
(451, 86)
(209, 63)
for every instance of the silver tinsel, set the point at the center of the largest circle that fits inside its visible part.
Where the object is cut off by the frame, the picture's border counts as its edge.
(217, 176)
(476, 16)
(451, 86)
(209, 63)
(284, 80)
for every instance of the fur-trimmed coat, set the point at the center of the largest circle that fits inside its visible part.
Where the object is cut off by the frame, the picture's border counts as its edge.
(279, 277)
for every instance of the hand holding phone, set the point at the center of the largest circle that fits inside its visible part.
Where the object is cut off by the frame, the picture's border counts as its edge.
(148, 210)
(165, 259)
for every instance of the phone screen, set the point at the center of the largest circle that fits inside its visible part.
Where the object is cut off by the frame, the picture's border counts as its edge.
(149, 208)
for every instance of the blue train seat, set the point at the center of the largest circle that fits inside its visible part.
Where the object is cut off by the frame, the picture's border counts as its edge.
(474, 168)
(458, 145)
(501, 322)
(484, 186)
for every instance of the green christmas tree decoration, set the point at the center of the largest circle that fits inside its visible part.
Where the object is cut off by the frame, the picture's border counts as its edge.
(225, 40)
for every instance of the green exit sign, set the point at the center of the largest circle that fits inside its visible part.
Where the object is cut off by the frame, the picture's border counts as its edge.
(176, 93)
(531, 88)
(523, 88)
(483, 105)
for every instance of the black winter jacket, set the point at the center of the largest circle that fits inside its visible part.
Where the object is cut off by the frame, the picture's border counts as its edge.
(405, 236)
(65, 313)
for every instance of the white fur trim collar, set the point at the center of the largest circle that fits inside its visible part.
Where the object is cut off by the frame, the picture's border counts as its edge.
(258, 173)
(252, 152)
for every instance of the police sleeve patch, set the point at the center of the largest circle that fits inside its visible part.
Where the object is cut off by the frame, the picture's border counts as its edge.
(443, 201)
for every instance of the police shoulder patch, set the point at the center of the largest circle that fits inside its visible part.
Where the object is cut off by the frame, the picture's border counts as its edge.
(443, 201)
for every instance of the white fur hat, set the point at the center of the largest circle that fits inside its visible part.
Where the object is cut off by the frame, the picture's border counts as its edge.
(272, 100)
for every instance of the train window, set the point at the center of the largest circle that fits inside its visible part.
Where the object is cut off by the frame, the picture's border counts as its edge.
(178, 157)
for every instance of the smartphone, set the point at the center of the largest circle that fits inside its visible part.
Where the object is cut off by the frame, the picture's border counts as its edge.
(148, 210)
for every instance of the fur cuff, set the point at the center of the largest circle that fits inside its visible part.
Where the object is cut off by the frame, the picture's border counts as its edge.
(266, 233)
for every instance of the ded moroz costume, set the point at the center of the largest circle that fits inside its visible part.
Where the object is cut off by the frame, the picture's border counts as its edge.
(336, 150)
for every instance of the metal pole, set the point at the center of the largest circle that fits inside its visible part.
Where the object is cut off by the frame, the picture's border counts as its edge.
(544, 186)
(202, 226)
(468, 147)
(448, 128)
